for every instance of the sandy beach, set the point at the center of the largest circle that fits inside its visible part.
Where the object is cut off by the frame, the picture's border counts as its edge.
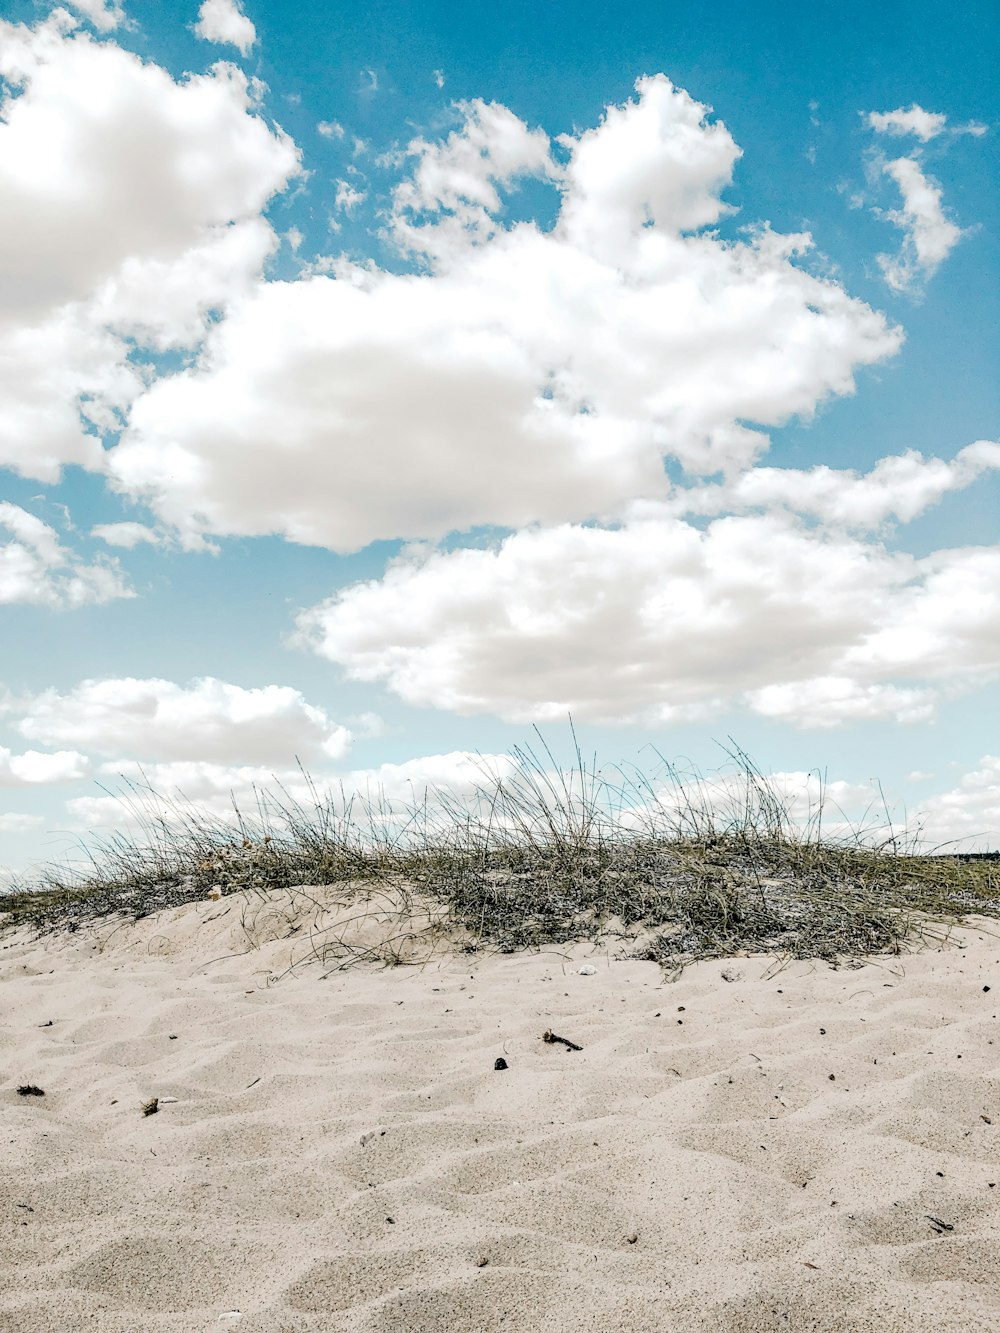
(740, 1149)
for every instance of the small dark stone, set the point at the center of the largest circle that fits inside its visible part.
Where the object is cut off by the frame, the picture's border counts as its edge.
(501, 1063)
(30, 1090)
(985, 989)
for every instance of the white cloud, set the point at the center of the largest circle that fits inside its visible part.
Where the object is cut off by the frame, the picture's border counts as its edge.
(439, 78)
(658, 621)
(455, 182)
(529, 376)
(128, 534)
(224, 21)
(36, 568)
(967, 816)
(899, 487)
(33, 768)
(347, 197)
(89, 131)
(103, 14)
(209, 720)
(62, 380)
(14, 822)
(655, 162)
(167, 303)
(330, 129)
(929, 237)
(923, 125)
(828, 701)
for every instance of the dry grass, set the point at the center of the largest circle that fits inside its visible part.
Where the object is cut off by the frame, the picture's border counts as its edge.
(681, 868)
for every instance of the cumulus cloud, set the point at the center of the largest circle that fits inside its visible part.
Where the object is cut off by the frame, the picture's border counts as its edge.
(929, 237)
(36, 568)
(525, 376)
(923, 125)
(89, 131)
(658, 621)
(224, 21)
(655, 162)
(208, 721)
(34, 768)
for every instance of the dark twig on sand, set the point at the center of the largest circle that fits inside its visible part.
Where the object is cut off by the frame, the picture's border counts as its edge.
(550, 1036)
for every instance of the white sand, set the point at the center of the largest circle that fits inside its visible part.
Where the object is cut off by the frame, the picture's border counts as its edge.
(753, 1154)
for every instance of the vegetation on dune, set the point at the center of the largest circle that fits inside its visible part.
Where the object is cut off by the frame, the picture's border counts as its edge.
(679, 869)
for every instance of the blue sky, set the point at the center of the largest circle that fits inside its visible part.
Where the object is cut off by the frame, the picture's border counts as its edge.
(377, 384)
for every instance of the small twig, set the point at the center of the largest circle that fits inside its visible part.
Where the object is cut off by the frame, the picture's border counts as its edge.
(938, 1225)
(550, 1036)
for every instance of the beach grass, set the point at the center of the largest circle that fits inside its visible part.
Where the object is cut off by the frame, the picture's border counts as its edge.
(675, 866)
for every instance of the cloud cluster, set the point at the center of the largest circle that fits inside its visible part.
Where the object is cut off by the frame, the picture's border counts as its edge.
(658, 620)
(527, 375)
(36, 568)
(929, 236)
(90, 132)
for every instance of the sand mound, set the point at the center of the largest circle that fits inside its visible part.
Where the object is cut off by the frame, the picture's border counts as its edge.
(741, 1149)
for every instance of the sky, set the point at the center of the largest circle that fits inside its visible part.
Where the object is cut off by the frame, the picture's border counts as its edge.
(381, 384)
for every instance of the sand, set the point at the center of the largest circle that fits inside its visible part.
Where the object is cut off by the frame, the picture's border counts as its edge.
(741, 1149)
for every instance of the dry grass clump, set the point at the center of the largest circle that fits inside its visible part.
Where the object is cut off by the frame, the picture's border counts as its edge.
(678, 869)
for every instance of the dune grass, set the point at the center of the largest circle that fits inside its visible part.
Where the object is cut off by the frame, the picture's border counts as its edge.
(678, 867)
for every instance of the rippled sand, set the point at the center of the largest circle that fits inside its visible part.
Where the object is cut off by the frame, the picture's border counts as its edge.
(741, 1149)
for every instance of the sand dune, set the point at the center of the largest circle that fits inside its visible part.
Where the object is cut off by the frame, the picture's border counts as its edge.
(742, 1149)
